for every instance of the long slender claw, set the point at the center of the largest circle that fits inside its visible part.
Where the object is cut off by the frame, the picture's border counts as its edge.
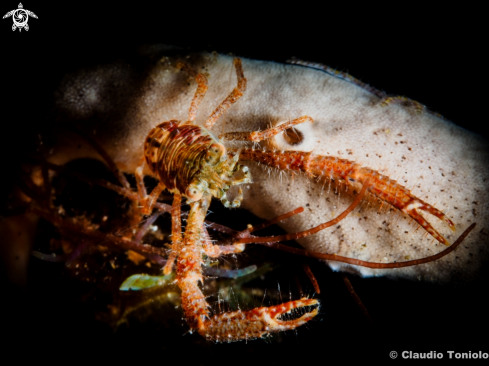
(238, 325)
(328, 167)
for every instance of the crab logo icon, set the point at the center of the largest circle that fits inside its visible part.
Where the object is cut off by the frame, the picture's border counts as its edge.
(20, 17)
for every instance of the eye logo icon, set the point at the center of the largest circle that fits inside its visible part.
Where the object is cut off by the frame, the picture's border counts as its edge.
(20, 17)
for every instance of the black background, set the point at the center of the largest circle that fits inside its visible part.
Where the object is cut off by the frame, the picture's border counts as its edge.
(435, 57)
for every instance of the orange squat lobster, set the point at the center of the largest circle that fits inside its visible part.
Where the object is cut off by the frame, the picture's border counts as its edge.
(191, 162)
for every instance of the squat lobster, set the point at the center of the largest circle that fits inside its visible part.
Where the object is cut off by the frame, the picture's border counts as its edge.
(191, 162)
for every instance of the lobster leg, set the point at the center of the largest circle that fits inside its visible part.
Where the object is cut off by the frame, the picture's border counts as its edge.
(231, 326)
(320, 167)
(176, 232)
(216, 251)
(189, 266)
(199, 93)
(257, 136)
(232, 97)
(147, 201)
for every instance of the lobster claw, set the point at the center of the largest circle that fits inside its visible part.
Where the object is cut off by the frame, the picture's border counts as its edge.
(238, 325)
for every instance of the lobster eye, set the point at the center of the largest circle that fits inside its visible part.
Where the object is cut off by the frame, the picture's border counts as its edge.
(193, 192)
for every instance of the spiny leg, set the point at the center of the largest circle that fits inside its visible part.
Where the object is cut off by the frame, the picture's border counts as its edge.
(238, 325)
(199, 93)
(150, 201)
(216, 251)
(147, 201)
(257, 136)
(334, 168)
(225, 326)
(138, 174)
(176, 232)
(189, 266)
(232, 97)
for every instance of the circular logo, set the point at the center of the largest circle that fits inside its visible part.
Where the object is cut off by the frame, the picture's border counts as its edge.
(393, 354)
(20, 17)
